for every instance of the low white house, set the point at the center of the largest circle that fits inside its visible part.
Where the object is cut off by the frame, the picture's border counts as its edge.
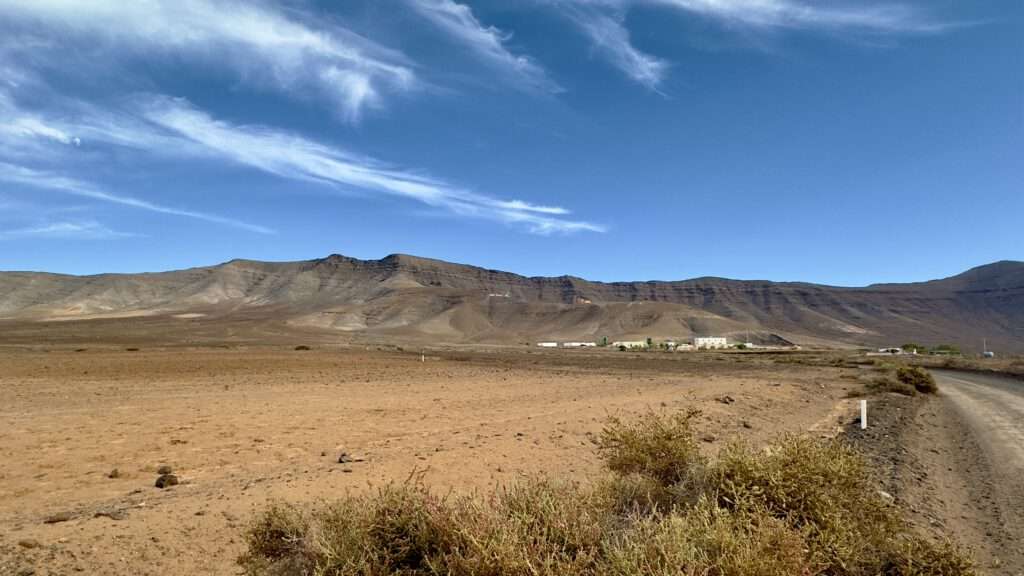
(578, 344)
(548, 344)
(710, 342)
(683, 347)
(630, 344)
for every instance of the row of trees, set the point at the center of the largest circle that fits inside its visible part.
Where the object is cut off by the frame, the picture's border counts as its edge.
(945, 349)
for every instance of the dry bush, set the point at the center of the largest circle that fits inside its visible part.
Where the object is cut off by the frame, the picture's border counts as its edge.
(918, 377)
(659, 447)
(820, 489)
(890, 384)
(804, 507)
(706, 540)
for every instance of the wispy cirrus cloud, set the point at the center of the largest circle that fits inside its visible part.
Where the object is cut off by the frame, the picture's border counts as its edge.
(48, 180)
(603, 22)
(486, 42)
(82, 230)
(608, 34)
(881, 17)
(164, 126)
(277, 49)
(294, 157)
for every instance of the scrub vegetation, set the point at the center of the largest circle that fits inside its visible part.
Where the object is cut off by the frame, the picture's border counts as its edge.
(799, 507)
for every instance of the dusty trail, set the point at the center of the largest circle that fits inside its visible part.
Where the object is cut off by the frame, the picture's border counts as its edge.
(992, 409)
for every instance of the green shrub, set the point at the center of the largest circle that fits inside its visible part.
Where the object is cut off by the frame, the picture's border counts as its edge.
(918, 377)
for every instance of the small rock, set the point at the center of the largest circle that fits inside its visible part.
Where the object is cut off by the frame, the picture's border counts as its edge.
(346, 470)
(164, 469)
(58, 517)
(709, 438)
(344, 458)
(111, 513)
(747, 425)
(29, 543)
(166, 481)
(886, 496)
(726, 399)
(115, 473)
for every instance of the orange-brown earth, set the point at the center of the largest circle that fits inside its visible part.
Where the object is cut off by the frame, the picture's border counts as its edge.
(242, 427)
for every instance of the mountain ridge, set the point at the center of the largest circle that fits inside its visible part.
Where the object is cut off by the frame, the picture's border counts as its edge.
(403, 296)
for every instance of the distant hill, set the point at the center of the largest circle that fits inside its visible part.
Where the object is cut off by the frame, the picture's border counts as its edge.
(412, 298)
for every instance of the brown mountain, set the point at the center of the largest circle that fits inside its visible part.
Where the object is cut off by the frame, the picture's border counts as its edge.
(410, 298)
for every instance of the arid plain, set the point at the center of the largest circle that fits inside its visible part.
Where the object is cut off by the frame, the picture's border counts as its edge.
(243, 426)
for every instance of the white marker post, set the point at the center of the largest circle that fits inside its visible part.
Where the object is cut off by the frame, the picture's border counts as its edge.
(863, 414)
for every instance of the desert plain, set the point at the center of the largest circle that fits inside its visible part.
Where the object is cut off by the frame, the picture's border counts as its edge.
(84, 432)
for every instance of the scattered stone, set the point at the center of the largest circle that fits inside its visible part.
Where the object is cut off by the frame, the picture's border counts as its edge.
(164, 469)
(709, 438)
(166, 481)
(346, 470)
(344, 458)
(29, 543)
(302, 348)
(111, 513)
(886, 496)
(726, 399)
(747, 425)
(58, 518)
(113, 474)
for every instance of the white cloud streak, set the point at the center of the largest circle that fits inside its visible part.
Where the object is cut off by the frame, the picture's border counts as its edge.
(259, 42)
(864, 16)
(602, 21)
(487, 42)
(165, 126)
(51, 181)
(64, 230)
(294, 157)
(609, 36)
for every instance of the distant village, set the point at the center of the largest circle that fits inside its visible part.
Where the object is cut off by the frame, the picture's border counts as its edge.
(697, 343)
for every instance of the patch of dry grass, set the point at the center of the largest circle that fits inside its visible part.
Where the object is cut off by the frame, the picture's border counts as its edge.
(801, 507)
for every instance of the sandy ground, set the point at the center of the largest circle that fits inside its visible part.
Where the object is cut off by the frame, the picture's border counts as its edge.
(242, 427)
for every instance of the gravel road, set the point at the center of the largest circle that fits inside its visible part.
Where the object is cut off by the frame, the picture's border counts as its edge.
(993, 410)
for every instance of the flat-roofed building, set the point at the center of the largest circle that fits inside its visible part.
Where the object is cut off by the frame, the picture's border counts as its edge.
(630, 344)
(710, 342)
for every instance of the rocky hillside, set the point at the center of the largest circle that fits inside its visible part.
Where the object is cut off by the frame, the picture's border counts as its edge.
(417, 298)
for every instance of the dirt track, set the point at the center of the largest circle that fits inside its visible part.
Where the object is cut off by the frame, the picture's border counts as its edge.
(243, 427)
(993, 409)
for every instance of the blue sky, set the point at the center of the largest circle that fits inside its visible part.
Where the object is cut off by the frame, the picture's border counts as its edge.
(835, 142)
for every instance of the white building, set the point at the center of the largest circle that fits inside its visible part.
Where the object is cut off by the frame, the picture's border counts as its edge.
(578, 344)
(710, 342)
(684, 347)
(630, 344)
(548, 344)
